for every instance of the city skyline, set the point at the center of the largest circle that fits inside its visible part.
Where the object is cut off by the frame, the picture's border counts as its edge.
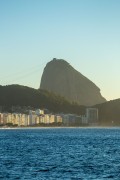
(85, 33)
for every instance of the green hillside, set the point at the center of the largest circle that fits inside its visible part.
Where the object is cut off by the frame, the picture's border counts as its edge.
(16, 95)
(109, 112)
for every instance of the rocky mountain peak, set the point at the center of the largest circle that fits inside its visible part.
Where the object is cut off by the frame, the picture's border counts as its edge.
(61, 78)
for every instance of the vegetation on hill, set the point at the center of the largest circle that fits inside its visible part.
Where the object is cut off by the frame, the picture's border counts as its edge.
(16, 95)
(109, 112)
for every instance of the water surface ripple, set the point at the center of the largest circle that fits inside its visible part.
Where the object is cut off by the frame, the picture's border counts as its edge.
(60, 153)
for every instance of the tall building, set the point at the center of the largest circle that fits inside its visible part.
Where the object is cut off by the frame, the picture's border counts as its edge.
(92, 115)
(32, 117)
(1, 118)
(58, 119)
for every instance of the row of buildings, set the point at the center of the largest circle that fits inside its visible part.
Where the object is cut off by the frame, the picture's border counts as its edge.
(38, 117)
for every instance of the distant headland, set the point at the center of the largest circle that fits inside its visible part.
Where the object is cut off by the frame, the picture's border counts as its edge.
(61, 78)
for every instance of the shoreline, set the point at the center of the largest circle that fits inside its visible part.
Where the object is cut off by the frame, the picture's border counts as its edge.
(51, 127)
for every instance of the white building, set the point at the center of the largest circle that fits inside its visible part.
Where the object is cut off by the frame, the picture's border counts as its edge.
(66, 120)
(47, 119)
(24, 121)
(32, 118)
(84, 119)
(92, 115)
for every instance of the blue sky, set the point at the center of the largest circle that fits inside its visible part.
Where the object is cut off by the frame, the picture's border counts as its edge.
(86, 33)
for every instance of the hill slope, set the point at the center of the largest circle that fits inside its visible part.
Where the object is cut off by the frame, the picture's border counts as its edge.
(16, 95)
(109, 112)
(61, 78)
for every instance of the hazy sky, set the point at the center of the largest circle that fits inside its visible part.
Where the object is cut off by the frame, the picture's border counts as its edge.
(86, 33)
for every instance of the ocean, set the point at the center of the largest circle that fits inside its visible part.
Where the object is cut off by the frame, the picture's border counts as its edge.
(60, 153)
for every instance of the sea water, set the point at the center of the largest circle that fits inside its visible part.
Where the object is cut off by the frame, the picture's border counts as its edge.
(60, 153)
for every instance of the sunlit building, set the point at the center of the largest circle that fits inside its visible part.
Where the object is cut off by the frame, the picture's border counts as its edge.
(58, 119)
(39, 112)
(51, 118)
(1, 118)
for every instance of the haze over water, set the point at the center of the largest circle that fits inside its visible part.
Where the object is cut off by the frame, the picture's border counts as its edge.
(60, 153)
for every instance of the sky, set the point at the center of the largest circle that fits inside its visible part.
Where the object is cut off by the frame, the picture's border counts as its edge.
(86, 33)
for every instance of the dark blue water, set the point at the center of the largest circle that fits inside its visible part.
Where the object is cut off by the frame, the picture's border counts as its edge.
(60, 154)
